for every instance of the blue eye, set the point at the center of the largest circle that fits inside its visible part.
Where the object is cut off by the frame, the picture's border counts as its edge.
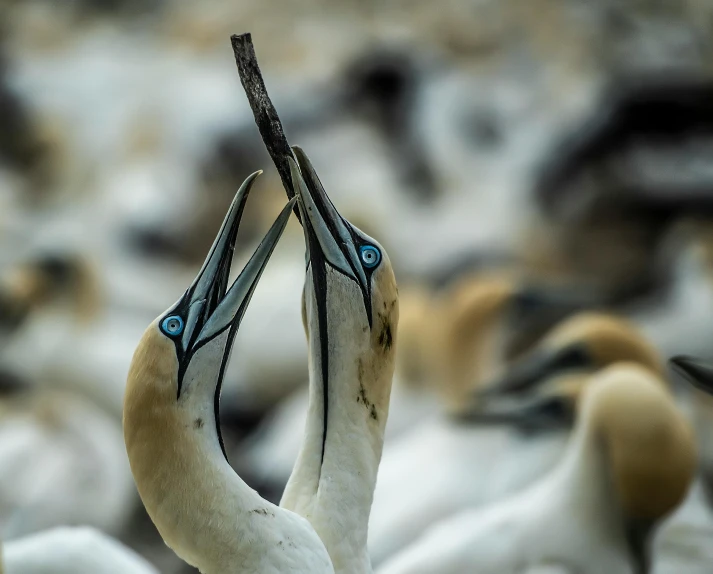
(172, 325)
(370, 256)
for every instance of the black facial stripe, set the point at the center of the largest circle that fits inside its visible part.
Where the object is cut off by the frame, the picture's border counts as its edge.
(213, 298)
(181, 309)
(319, 284)
(221, 374)
(330, 223)
(368, 272)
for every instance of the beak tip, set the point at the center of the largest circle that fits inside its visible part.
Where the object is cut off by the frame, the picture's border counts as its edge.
(252, 177)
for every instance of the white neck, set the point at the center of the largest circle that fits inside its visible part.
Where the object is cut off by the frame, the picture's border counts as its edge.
(335, 493)
(582, 485)
(202, 509)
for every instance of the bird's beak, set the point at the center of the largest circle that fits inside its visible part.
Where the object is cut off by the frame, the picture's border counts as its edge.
(535, 309)
(537, 367)
(695, 371)
(536, 413)
(329, 237)
(208, 305)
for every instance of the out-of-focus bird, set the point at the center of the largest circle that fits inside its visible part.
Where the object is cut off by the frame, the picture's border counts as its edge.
(78, 550)
(350, 313)
(628, 464)
(620, 178)
(43, 280)
(472, 463)
(62, 462)
(584, 343)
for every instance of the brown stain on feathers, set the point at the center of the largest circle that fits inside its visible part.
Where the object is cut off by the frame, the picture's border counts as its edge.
(386, 338)
(362, 397)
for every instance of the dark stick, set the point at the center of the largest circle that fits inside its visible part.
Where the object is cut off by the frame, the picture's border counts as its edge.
(266, 118)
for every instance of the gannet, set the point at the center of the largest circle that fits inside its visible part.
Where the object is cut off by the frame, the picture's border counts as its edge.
(202, 509)
(471, 464)
(585, 342)
(62, 462)
(628, 464)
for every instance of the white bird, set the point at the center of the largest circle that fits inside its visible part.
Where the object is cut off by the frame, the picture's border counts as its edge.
(77, 550)
(62, 462)
(202, 509)
(470, 464)
(628, 464)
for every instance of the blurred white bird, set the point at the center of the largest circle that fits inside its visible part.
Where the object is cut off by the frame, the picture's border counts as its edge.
(628, 464)
(469, 464)
(62, 461)
(78, 550)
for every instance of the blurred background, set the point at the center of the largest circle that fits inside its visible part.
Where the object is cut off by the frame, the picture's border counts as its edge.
(520, 161)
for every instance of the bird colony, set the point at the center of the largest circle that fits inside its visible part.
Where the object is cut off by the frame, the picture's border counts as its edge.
(466, 329)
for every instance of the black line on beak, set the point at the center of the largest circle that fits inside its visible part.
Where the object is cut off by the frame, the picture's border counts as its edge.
(319, 284)
(537, 367)
(695, 371)
(322, 201)
(534, 415)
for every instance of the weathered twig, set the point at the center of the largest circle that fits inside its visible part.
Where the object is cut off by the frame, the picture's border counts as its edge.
(266, 118)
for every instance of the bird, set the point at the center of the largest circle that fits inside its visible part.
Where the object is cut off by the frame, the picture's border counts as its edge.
(475, 458)
(42, 280)
(202, 509)
(479, 307)
(613, 185)
(584, 342)
(71, 550)
(681, 545)
(354, 325)
(628, 464)
(62, 462)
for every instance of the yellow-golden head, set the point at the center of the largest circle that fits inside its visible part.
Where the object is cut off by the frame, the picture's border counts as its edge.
(543, 388)
(628, 413)
(584, 343)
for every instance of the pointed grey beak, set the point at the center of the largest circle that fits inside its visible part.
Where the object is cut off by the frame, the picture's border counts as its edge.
(231, 308)
(327, 233)
(208, 307)
(537, 367)
(531, 414)
(695, 371)
(210, 285)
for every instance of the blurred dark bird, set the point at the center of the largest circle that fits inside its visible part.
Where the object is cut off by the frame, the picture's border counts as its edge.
(615, 183)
